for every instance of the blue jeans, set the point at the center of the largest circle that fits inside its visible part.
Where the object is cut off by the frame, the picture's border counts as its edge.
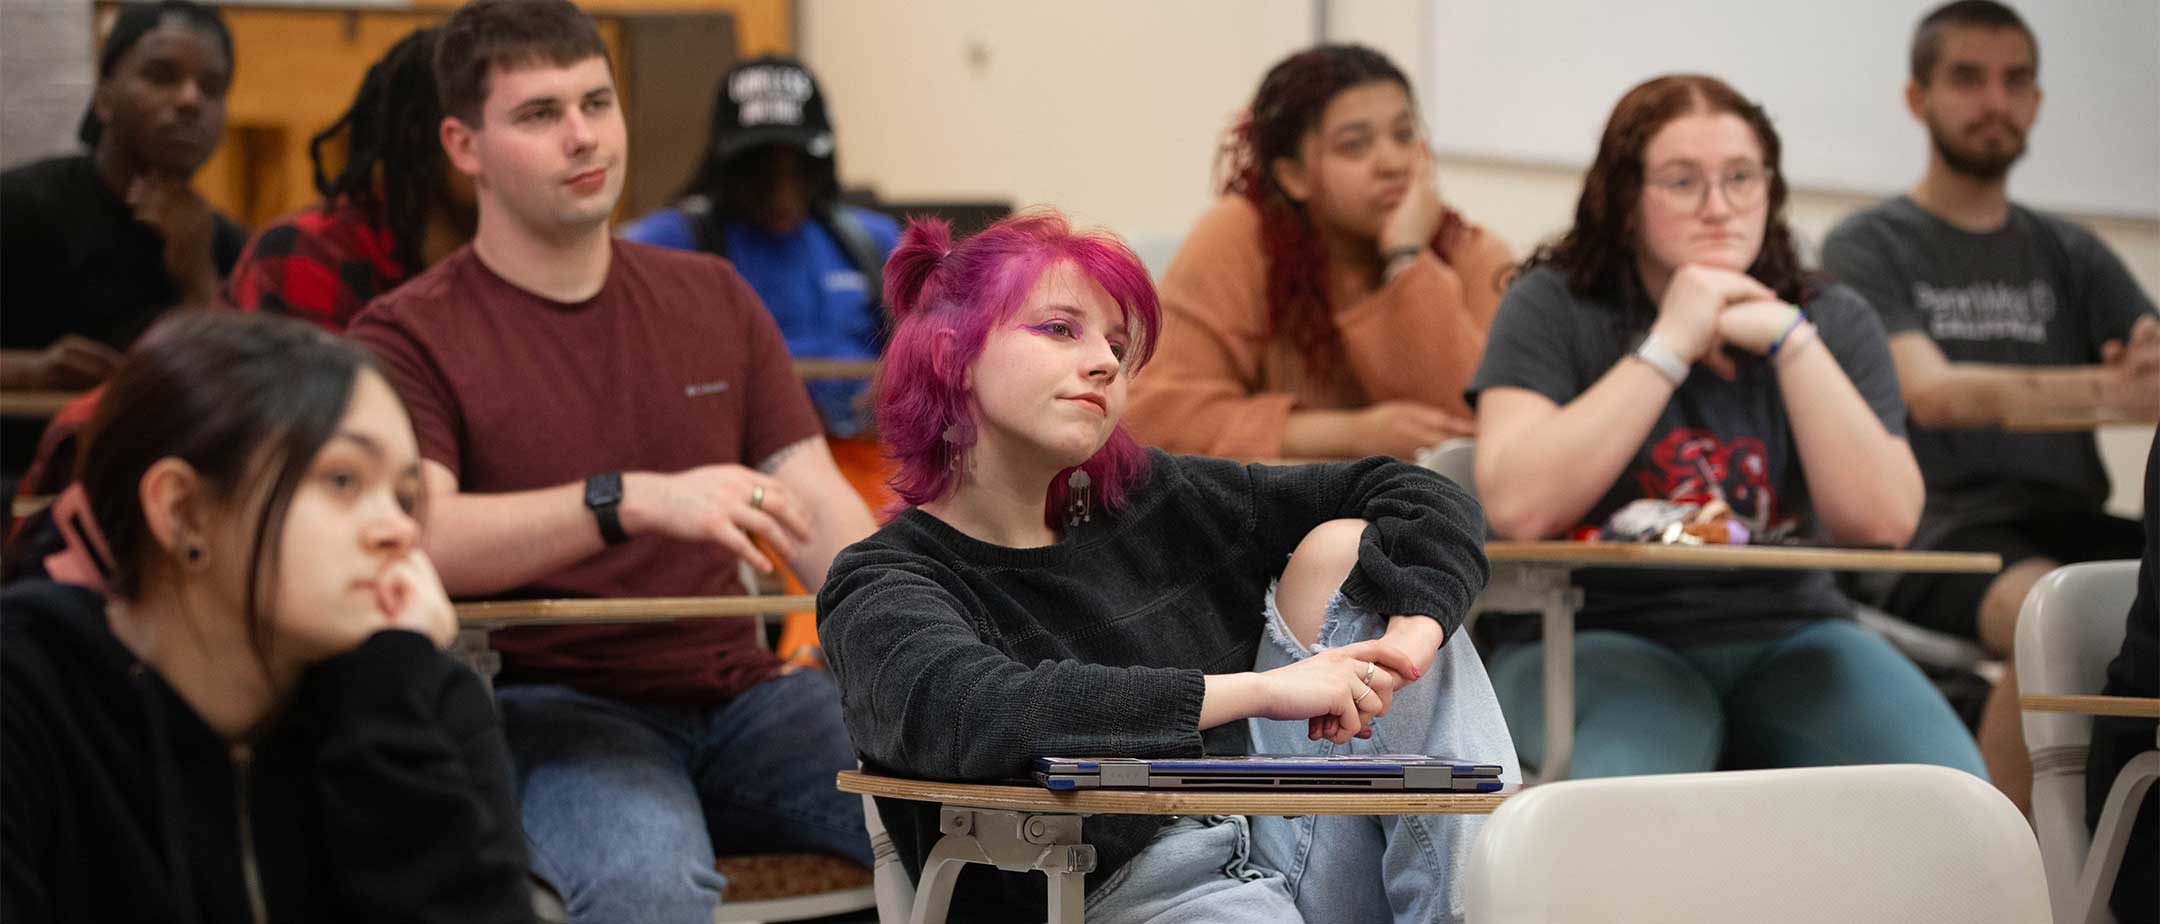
(1341, 869)
(625, 806)
(1197, 870)
(1826, 694)
(1383, 868)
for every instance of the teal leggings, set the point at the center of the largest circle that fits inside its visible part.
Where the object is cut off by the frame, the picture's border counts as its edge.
(1827, 693)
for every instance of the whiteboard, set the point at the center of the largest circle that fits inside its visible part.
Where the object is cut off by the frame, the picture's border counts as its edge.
(1534, 80)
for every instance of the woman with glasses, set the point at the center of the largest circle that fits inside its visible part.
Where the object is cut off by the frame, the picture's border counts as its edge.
(1670, 347)
(1330, 304)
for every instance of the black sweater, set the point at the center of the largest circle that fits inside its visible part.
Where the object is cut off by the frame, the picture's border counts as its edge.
(2116, 739)
(962, 660)
(382, 794)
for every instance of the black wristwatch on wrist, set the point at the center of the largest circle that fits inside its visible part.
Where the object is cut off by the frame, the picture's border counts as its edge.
(603, 496)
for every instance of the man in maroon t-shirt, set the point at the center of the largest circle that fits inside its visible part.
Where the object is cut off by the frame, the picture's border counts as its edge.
(601, 418)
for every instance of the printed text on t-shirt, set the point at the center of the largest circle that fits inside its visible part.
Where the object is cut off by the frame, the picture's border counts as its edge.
(1987, 310)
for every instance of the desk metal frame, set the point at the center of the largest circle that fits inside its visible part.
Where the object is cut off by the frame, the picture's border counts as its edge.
(1024, 829)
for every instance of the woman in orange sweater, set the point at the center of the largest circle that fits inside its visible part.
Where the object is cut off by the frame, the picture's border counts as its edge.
(1329, 305)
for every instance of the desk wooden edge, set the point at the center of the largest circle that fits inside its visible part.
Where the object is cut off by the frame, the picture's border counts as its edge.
(32, 404)
(1107, 802)
(2073, 424)
(630, 609)
(1652, 555)
(2134, 707)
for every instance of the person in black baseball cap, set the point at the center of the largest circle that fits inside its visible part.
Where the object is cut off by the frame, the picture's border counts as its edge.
(95, 245)
(767, 197)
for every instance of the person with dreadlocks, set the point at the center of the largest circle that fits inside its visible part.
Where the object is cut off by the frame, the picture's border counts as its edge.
(95, 246)
(1330, 304)
(389, 211)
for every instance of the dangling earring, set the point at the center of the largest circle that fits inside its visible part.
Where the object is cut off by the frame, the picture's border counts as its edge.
(1078, 498)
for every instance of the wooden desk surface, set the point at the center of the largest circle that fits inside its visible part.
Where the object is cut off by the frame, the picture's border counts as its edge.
(2136, 707)
(501, 614)
(1786, 558)
(34, 403)
(2075, 423)
(1125, 802)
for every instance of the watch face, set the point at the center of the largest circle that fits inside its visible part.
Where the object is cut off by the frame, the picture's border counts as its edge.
(603, 490)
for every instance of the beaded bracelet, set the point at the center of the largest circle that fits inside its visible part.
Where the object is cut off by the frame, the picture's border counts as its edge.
(1799, 318)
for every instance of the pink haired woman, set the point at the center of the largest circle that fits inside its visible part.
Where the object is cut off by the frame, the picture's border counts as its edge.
(1051, 588)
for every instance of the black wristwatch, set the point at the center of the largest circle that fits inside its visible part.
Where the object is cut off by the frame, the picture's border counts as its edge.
(603, 496)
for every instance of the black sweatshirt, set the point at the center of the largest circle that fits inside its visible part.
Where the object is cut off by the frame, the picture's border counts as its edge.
(382, 794)
(2116, 739)
(962, 660)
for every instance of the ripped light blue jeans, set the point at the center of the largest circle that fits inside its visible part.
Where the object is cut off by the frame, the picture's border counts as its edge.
(1352, 869)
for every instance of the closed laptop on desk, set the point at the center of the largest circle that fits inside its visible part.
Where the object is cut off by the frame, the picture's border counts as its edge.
(1276, 772)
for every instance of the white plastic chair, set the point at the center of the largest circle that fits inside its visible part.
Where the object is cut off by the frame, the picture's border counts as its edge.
(1902, 843)
(1455, 460)
(889, 877)
(2070, 627)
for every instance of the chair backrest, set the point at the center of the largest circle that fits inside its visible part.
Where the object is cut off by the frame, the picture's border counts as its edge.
(1889, 843)
(2069, 628)
(889, 876)
(1455, 460)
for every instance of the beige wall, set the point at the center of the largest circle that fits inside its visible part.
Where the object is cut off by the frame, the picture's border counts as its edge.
(46, 73)
(1112, 111)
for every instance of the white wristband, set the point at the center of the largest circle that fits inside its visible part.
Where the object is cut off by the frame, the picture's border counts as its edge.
(1661, 357)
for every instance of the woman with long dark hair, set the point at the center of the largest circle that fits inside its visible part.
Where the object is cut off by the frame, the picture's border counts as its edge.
(1330, 305)
(1053, 589)
(1670, 347)
(236, 707)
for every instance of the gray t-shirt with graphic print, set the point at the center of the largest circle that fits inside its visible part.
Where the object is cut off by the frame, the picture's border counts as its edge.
(1713, 438)
(2039, 291)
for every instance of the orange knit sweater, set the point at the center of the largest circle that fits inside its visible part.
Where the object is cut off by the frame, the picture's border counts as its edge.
(1220, 385)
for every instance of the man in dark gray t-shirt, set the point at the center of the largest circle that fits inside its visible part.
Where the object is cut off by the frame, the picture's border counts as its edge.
(1995, 313)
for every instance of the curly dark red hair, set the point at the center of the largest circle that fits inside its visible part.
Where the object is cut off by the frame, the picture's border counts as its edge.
(1288, 106)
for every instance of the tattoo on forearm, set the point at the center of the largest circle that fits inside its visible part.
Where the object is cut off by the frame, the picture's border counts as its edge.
(773, 462)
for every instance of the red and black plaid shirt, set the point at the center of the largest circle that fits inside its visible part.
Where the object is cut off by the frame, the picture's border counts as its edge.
(322, 264)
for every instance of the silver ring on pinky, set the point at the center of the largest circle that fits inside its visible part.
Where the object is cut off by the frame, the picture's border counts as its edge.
(757, 497)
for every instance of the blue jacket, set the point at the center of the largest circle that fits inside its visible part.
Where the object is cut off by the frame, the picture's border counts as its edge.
(821, 301)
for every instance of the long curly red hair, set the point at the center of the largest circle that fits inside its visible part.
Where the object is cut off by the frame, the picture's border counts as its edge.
(1288, 106)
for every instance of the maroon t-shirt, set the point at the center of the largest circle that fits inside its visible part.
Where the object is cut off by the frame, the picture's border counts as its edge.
(672, 365)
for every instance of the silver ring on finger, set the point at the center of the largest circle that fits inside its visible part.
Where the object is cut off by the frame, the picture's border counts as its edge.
(1370, 666)
(1360, 700)
(757, 497)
